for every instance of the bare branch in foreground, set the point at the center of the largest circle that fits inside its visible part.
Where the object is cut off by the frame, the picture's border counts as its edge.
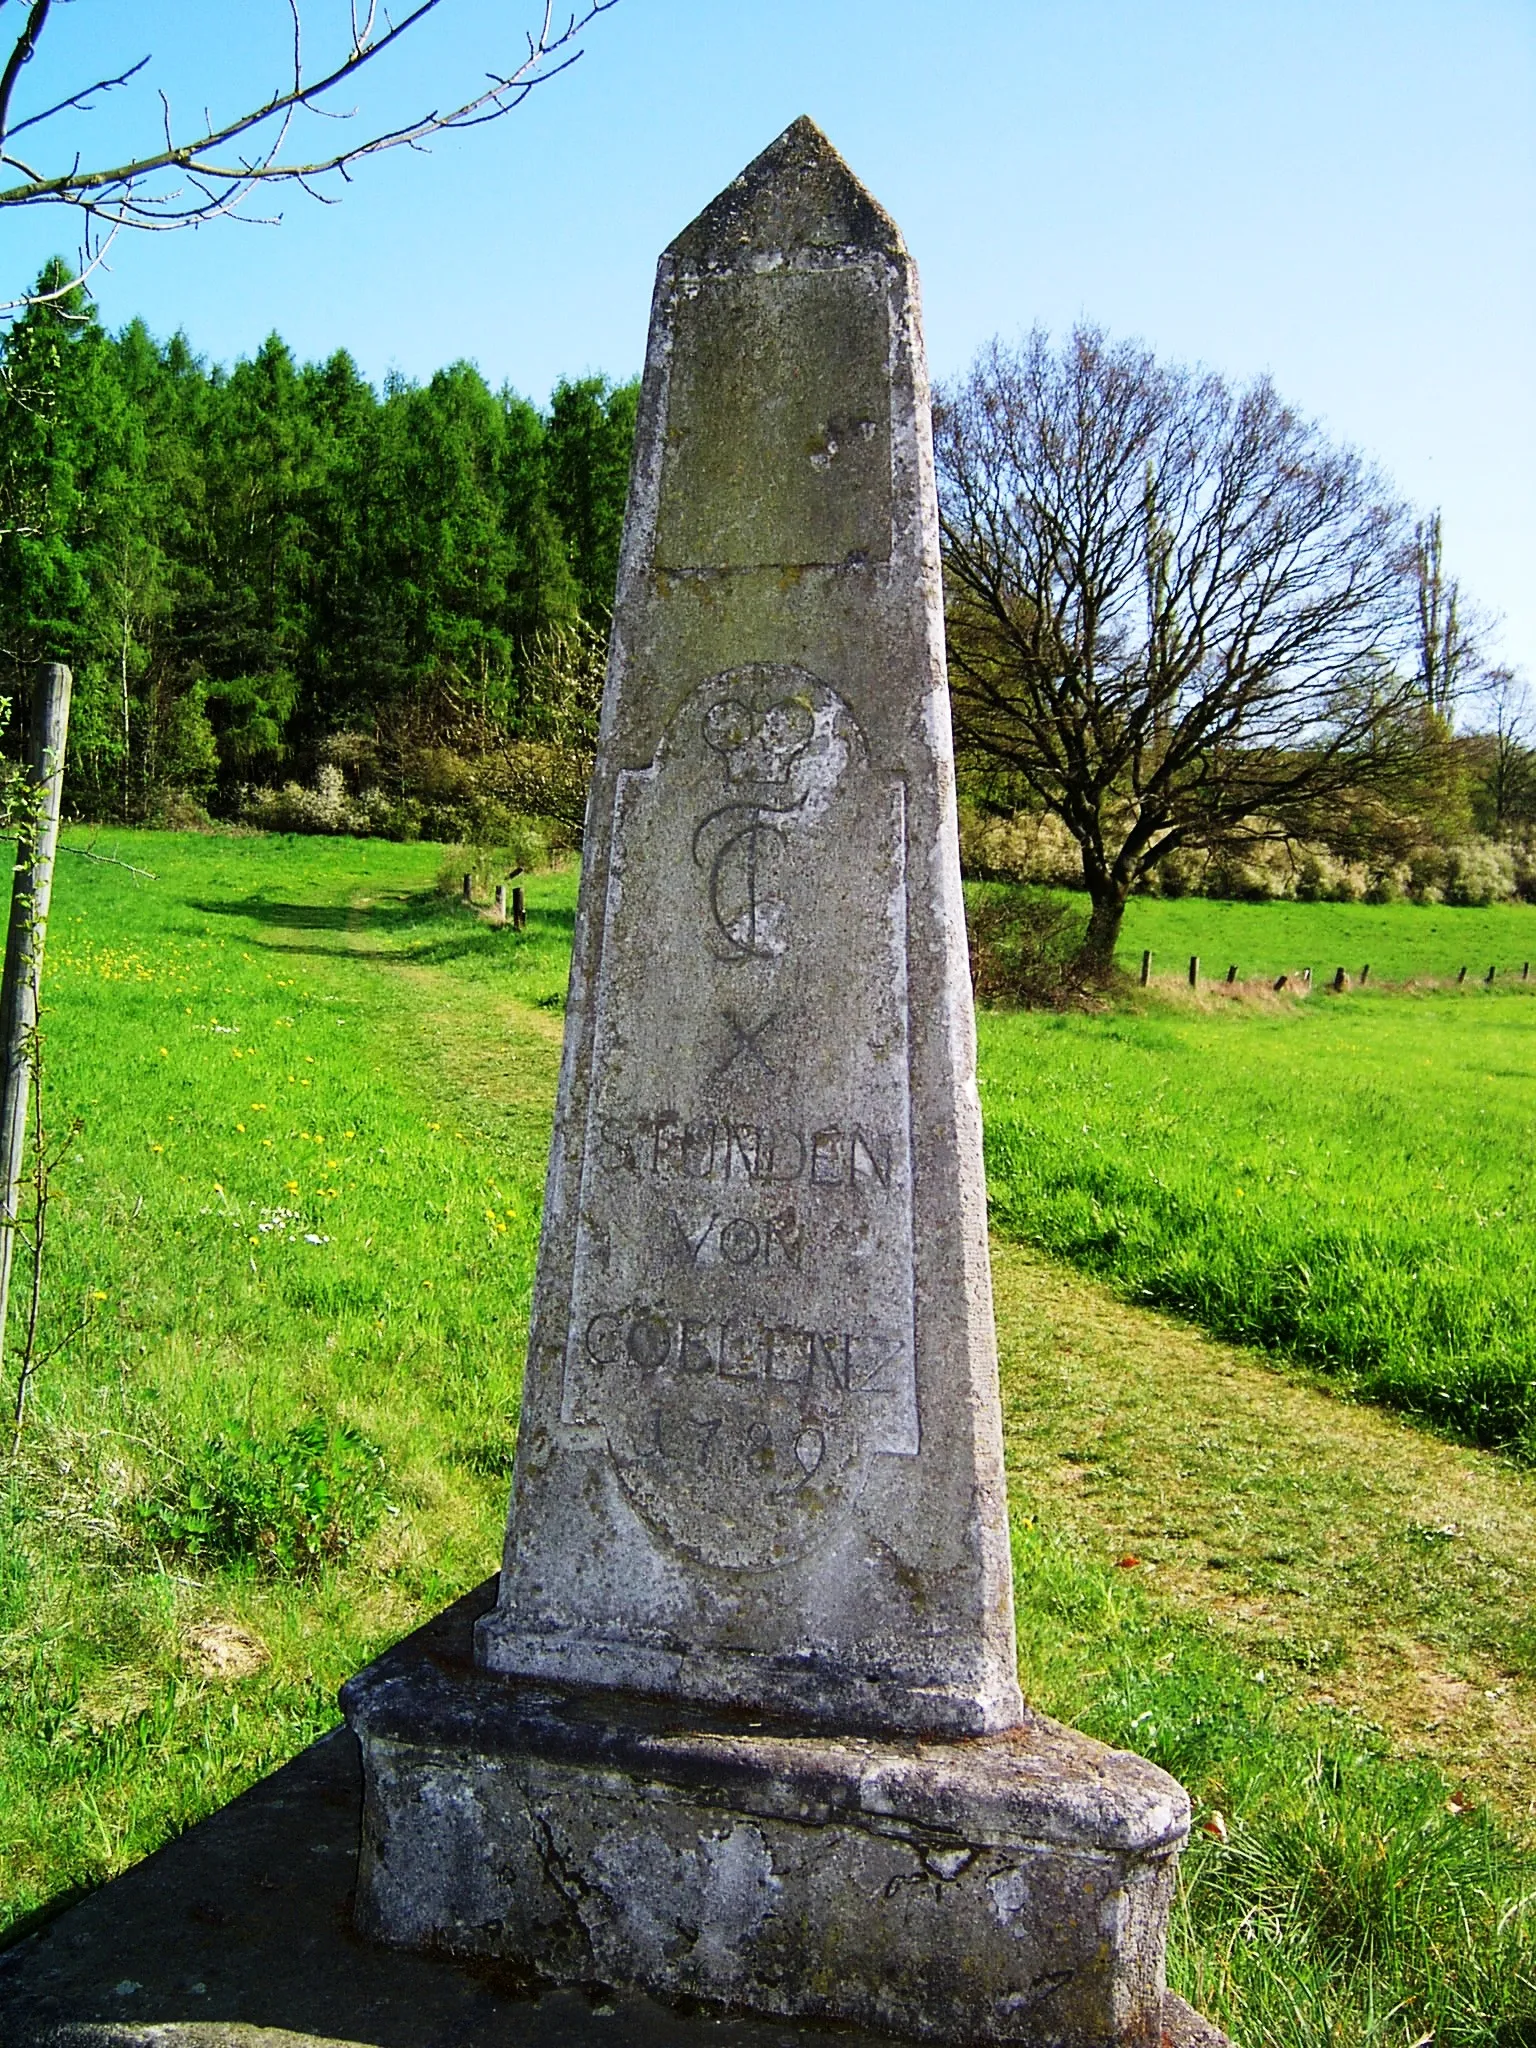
(188, 179)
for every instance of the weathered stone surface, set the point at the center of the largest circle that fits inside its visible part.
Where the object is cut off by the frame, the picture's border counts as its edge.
(760, 1457)
(1009, 1888)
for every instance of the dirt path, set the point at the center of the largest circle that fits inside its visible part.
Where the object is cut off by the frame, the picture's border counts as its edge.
(1358, 1561)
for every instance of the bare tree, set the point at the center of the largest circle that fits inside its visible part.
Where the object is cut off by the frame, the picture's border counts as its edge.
(183, 175)
(1446, 643)
(1511, 770)
(1175, 612)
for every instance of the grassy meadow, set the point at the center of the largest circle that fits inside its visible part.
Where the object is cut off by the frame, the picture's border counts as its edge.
(1346, 1179)
(304, 1237)
(299, 1223)
(1399, 942)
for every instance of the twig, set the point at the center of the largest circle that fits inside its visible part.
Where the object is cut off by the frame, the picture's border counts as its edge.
(109, 860)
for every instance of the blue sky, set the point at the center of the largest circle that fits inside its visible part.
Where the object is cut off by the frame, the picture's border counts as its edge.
(1340, 194)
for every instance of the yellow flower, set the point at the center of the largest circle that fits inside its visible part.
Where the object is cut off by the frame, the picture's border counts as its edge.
(157, 1148)
(290, 1187)
(164, 1054)
(239, 1127)
(98, 1295)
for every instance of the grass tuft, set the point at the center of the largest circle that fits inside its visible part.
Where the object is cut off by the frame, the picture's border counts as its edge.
(287, 1506)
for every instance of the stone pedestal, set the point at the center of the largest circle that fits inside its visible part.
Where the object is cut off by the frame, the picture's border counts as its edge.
(1012, 1887)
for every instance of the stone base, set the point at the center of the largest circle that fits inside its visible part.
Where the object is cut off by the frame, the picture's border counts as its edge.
(1010, 1888)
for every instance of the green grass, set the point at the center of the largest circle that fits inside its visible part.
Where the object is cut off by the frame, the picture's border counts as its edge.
(287, 1206)
(1331, 1892)
(294, 1440)
(1397, 941)
(1319, 1618)
(1347, 1180)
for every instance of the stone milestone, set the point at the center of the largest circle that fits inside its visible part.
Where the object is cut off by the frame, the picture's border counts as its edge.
(744, 1723)
(761, 1453)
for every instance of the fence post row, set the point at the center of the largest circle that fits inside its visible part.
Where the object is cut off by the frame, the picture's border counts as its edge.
(37, 841)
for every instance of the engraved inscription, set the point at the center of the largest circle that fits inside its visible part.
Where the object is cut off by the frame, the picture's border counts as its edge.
(741, 1331)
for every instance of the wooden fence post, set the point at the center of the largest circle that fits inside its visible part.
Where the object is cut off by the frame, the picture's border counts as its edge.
(37, 840)
(469, 892)
(1306, 977)
(1194, 970)
(1525, 972)
(1488, 977)
(519, 911)
(1461, 977)
(1340, 982)
(1146, 967)
(1231, 974)
(1365, 974)
(501, 902)
(1280, 984)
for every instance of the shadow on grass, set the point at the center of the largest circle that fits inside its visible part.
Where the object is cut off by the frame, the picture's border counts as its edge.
(306, 917)
(394, 919)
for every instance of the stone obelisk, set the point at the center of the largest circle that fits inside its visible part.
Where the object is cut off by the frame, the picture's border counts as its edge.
(744, 1722)
(761, 1451)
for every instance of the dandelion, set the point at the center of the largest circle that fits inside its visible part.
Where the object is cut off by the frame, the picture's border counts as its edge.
(157, 1148)
(239, 1127)
(290, 1187)
(164, 1054)
(98, 1295)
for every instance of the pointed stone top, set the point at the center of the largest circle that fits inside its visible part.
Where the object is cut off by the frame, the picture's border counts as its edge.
(798, 195)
